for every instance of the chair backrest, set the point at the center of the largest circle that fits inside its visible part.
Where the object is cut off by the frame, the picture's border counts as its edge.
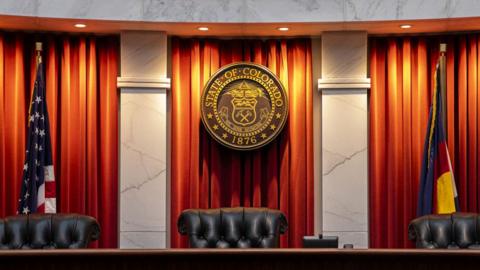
(457, 230)
(48, 231)
(232, 227)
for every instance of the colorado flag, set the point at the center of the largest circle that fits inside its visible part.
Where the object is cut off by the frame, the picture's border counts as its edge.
(437, 193)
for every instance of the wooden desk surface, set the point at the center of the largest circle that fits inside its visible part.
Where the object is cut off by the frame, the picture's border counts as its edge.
(241, 259)
(243, 252)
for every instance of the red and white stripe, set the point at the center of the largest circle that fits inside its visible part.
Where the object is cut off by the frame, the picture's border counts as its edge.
(46, 197)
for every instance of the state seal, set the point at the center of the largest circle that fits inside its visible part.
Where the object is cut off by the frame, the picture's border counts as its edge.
(244, 106)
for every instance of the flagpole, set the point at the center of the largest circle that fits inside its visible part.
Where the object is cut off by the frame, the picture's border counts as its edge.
(443, 84)
(38, 50)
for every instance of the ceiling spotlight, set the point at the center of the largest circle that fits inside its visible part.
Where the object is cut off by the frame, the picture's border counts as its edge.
(80, 25)
(203, 28)
(406, 26)
(283, 28)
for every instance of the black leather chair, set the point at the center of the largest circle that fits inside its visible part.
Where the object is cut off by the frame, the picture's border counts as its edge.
(48, 231)
(453, 231)
(232, 227)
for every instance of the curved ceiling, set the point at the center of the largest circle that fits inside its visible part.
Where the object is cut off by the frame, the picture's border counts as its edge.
(242, 17)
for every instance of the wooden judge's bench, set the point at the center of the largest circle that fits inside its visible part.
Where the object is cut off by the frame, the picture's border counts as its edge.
(241, 259)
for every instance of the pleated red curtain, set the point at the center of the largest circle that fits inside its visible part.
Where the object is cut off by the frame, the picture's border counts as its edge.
(82, 102)
(402, 71)
(208, 175)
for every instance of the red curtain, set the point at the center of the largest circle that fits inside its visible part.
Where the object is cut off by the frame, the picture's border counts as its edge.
(207, 175)
(82, 102)
(402, 79)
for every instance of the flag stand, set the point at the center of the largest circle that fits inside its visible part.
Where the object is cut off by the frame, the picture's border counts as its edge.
(443, 84)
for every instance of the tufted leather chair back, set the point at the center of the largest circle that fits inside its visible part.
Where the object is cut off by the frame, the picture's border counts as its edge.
(48, 231)
(232, 227)
(457, 230)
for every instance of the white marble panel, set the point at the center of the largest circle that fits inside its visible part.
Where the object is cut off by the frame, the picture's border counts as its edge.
(144, 54)
(143, 160)
(294, 11)
(345, 189)
(344, 55)
(345, 136)
(98, 9)
(345, 157)
(198, 11)
(367, 10)
(344, 115)
(142, 240)
(19, 7)
(463, 8)
(358, 239)
(242, 11)
(421, 9)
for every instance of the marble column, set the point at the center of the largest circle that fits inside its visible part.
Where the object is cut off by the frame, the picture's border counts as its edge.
(143, 136)
(344, 86)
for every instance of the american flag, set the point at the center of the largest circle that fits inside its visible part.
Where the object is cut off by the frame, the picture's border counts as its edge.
(38, 181)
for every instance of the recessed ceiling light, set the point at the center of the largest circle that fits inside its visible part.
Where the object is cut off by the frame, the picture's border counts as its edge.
(203, 28)
(283, 28)
(405, 26)
(80, 25)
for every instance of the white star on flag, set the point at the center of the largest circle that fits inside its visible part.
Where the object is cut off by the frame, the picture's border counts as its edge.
(38, 99)
(42, 133)
(25, 210)
(32, 118)
(25, 166)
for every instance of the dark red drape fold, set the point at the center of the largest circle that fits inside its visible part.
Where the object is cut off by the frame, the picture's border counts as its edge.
(401, 69)
(82, 104)
(207, 175)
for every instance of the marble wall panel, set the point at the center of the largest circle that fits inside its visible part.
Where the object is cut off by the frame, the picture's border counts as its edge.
(345, 161)
(242, 11)
(142, 240)
(143, 168)
(144, 54)
(19, 7)
(200, 11)
(367, 10)
(463, 8)
(345, 137)
(346, 55)
(95, 9)
(420, 9)
(294, 11)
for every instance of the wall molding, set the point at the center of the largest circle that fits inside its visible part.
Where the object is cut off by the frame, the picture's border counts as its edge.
(139, 82)
(344, 83)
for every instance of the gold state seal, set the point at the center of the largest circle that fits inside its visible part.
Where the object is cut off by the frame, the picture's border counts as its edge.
(244, 106)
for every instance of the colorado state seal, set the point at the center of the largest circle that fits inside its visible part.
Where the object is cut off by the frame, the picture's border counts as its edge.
(244, 106)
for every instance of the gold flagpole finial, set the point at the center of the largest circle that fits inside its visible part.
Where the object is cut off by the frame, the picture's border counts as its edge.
(443, 47)
(38, 49)
(38, 46)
